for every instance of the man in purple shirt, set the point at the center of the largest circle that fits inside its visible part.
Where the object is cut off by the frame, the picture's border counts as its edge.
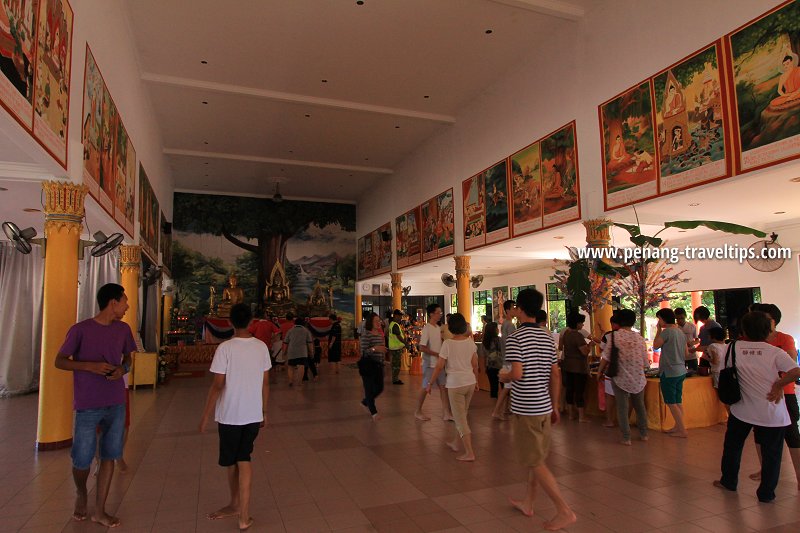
(98, 352)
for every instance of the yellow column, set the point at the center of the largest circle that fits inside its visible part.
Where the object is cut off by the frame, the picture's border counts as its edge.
(598, 235)
(62, 229)
(397, 290)
(358, 317)
(463, 287)
(167, 317)
(130, 267)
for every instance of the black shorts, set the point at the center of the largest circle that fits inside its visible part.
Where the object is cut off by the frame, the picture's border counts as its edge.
(300, 361)
(236, 443)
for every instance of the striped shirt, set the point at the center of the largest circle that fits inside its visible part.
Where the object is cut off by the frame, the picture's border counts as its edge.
(535, 349)
(369, 340)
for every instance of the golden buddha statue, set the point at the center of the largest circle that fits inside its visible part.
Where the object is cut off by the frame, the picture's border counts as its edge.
(231, 295)
(277, 296)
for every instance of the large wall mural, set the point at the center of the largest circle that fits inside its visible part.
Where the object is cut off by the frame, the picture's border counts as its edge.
(287, 256)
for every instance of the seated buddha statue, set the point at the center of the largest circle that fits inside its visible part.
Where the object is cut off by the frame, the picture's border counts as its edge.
(231, 295)
(317, 297)
(277, 290)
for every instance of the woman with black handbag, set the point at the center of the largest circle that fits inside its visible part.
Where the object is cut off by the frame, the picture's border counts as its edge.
(370, 366)
(624, 360)
(754, 365)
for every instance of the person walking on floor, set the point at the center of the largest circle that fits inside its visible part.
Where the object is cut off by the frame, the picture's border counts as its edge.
(762, 407)
(430, 342)
(490, 357)
(335, 343)
(672, 368)
(238, 396)
(629, 381)
(298, 346)
(98, 353)
(459, 357)
(576, 365)
(535, 382)
(397, 343)
(506, 329)
(370, 366)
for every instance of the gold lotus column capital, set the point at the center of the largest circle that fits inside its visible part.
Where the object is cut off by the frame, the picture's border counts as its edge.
(397, 280)
(63, 206)
(598, 232)
(130, 258)
(462, 264)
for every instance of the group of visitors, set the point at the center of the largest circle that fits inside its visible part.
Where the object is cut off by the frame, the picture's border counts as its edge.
(525, 361)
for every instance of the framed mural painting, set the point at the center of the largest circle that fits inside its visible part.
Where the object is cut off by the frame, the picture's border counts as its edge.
(125, 179)
(18, 36)
(764, 66)
(628, 148)
(148, 217)
(474, 198)
(365, 256)
(166, 244)
(495, 182)
(438, 226)
(499, 296)
(96, 135)
(408, 239)
(382, 249)
(692, 121)
(526, 190)
(560, 181)
(53, 78)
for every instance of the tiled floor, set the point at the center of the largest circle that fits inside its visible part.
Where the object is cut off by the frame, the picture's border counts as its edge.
(324, 465)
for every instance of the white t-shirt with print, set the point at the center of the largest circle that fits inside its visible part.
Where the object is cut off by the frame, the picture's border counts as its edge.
(758, 364)
(243, 361)
(458, 356)
(431, 337)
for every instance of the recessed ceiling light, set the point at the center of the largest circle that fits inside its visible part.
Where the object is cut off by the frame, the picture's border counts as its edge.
(204, 62)
(291, 151)
(350, 175)
(694, 204)
(779, 212)
(205, 142)
(206, 186)
(324, 81)
(32, 210)
(397, 127)
(795, 180)
(359, 2)
(426, 96)
(205, 163)
(2, 189)
(206, 175)
(308, 116)
(681, 231)
(366, 159)
(205, 102)
(518, 247)
(488, 32)
(558, 237)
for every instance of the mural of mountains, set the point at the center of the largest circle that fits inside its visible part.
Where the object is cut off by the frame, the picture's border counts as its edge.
(317, 263)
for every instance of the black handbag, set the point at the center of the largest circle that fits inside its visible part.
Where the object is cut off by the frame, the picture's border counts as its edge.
(728, 388)
(613, 363)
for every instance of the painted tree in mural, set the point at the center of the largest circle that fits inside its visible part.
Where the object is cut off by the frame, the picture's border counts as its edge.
(270, 224)
(785, 21)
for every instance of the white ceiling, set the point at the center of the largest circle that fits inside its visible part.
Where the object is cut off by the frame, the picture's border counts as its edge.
(265, 64)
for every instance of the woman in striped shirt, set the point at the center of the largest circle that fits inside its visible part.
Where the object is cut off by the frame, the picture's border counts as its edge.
(370, 366)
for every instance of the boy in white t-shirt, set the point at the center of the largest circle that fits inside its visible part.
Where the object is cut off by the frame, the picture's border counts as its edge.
(430, 342)
(238, 395)
(715, 353)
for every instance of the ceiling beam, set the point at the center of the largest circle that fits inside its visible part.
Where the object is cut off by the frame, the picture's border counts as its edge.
(293, 98)
(553, 8)
(275, 160)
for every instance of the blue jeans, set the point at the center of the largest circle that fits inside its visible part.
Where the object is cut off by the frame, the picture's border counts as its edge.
(110, 421)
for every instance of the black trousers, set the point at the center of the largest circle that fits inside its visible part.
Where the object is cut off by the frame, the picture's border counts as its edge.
(575, 385)
(771, 441)
(494, 381)
(372, 377)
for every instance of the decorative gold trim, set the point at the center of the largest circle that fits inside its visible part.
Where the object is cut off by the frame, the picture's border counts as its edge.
(598, 232)
(64, 198)
(397, 280)
(462, 265)
(130, 258)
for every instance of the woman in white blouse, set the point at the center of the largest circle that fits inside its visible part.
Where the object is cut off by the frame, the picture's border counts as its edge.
(459, 358)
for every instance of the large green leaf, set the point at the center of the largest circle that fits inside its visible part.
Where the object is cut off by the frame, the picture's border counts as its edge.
(578, 282)
(641, 240)
(726, 227)
(631, 229)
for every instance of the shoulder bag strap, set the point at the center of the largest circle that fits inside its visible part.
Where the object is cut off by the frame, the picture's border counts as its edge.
(732, 352)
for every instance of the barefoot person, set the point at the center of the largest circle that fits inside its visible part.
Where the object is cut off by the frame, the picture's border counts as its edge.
(460, 358)
(98, 353)
(430, 342)
(238, 397)
(536, 380)
(672, 368)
